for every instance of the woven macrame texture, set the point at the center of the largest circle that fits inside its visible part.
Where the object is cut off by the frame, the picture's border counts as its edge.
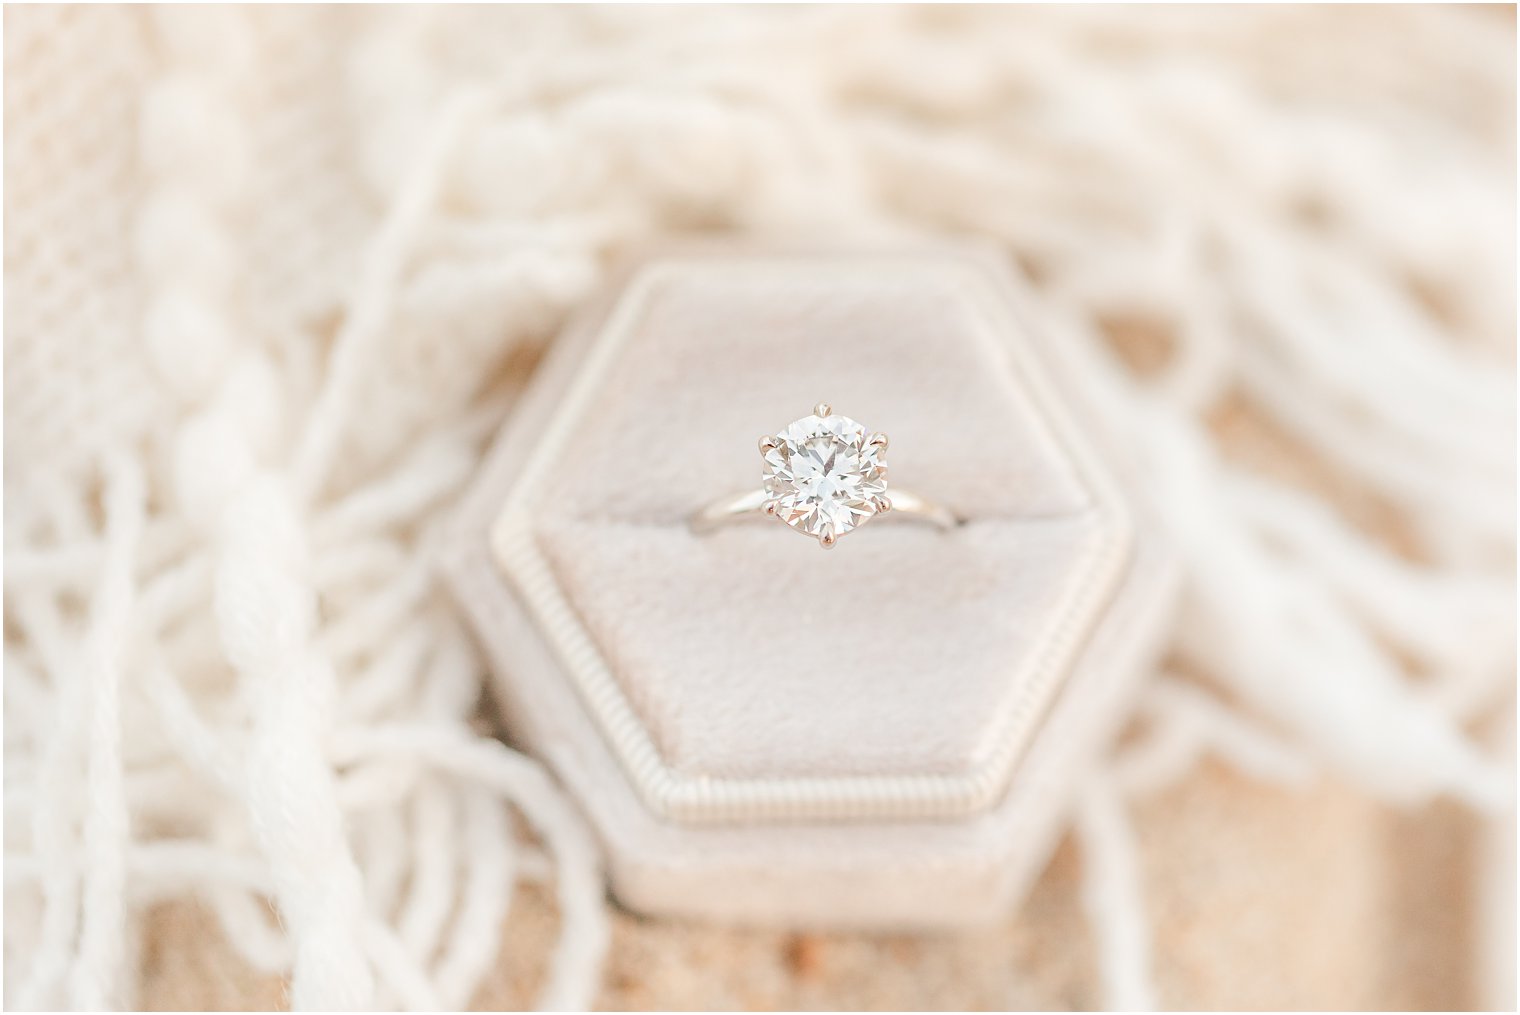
(275, 275)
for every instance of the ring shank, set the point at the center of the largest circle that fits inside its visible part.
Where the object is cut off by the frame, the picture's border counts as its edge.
(738, 507)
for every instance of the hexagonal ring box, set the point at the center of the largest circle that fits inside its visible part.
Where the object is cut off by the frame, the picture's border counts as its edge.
(884, 735)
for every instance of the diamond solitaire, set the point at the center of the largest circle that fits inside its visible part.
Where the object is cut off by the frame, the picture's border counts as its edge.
(825, 475)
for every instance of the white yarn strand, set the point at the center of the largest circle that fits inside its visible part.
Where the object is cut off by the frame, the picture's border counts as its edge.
(1111, 894)
(266, 618)
(96, 974)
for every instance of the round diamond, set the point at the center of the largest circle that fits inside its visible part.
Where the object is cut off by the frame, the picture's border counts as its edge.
(825, 475)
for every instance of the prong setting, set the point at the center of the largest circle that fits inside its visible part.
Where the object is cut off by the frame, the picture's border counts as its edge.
(825, 475)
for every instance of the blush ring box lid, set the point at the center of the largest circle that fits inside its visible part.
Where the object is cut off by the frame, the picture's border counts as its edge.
(882, 735)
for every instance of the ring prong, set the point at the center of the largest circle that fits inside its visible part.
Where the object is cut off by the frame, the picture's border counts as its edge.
(883, 504)
(877, 440)
(827, 539)
(822, 409)
(769, 443)
(771, 507)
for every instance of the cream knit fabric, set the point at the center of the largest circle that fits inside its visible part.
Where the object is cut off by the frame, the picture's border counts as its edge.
(267, 270)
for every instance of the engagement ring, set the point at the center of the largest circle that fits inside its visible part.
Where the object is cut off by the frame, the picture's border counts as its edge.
(824, 475)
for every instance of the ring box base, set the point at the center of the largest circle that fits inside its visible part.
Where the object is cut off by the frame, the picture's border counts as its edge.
(886, 735)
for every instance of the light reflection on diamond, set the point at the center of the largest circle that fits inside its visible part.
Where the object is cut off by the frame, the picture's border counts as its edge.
(824, 476)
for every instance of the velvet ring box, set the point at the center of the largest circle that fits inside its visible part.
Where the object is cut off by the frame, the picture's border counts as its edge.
(886, 734)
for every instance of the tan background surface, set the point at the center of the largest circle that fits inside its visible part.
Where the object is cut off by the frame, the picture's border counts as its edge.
(1261, 900)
